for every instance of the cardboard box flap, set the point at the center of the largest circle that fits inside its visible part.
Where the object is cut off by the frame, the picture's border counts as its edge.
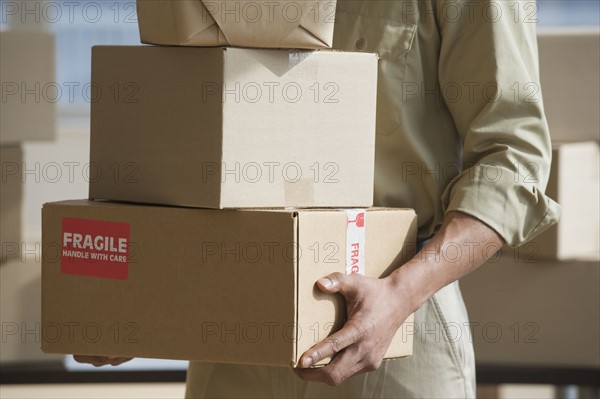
(323, 251)
(320, 22)
(321, 254)
(179, 22)
(242, 23)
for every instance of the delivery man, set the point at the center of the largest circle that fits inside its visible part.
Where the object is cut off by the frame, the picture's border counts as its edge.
(461, 138)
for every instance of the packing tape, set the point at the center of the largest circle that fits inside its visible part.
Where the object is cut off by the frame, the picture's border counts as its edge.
(355, 241)
(297, 56)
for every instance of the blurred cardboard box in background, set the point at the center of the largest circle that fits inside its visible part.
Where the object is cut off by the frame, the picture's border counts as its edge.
(233, 128)
(11, 202)
(575, 184)
(569, 65)
(20, 311)
(29, 88)
(526, 312)
(243, 23)
(194, 284)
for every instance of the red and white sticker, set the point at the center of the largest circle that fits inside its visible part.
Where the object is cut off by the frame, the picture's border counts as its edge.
(95, 248)
(355, 241)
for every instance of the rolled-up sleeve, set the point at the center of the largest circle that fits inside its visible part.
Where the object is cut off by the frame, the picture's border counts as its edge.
(492, 51)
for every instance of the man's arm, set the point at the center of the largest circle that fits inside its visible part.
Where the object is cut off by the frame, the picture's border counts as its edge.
(377, 307)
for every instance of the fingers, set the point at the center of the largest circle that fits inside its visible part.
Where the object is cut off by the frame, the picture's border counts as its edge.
(345, 284)
(342, 367)
(99, 361)
(93, 360)
(358, 346)
(118, 360)
(348, 363)
(352, 332)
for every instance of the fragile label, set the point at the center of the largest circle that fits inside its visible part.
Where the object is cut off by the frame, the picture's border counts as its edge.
(95, 248)
(355, 241)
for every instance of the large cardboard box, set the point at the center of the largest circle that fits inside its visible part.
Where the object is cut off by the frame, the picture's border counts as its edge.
(29, 88)
(526, 312)
(569, 64)
(11, 202)
(280, 24)
(233, 128)
(575, 184)
(232, 286)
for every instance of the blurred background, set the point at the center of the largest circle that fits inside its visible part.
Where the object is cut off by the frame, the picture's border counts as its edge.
(535, 310)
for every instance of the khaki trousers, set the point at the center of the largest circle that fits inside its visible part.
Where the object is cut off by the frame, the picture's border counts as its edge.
(442, 366)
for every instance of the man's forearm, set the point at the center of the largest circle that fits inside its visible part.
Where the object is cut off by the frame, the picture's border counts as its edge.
(461, 245)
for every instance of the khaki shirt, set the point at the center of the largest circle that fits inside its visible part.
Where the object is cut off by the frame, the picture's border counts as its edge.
(460, 120)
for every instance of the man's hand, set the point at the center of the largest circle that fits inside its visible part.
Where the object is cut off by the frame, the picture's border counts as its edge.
(99, 361)
(376, 309)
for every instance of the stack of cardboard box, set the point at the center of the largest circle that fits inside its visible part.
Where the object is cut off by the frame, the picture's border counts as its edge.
(27, 74)
(571, 100)
(265, 158)
(549, 287)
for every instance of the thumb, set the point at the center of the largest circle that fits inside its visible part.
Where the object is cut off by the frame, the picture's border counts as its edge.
(337, 282)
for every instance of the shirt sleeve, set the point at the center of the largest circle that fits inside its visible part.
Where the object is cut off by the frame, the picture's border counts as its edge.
(489, 79)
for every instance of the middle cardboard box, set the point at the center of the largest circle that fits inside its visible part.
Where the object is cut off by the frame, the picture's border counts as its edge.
(233, 127)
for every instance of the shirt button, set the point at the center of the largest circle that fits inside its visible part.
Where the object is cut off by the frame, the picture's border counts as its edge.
(360, 43)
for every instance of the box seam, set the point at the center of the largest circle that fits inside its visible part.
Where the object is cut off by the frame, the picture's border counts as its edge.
(222, 133)
(296, 218)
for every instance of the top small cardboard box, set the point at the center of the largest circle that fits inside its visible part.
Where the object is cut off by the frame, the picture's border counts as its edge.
(265, 24)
